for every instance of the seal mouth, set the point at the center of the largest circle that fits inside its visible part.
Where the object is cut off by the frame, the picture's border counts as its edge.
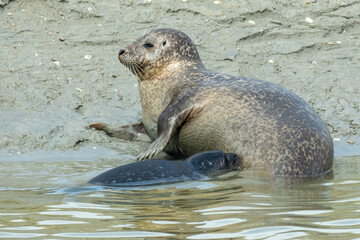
(131, 64)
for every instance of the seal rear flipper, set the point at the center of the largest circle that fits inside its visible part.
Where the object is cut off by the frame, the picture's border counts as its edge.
(133, 132)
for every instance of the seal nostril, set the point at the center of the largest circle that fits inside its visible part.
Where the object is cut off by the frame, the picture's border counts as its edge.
(121, 52)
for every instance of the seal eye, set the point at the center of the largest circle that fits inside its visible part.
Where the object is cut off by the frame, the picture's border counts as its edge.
(148, 45)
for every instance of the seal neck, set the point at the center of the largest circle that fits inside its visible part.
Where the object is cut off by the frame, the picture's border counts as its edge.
(171, 70)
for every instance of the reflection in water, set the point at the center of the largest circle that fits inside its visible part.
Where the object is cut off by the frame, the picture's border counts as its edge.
(124, 234)
(59, 222)
(217, 223)
(248, 204)
(276, 232)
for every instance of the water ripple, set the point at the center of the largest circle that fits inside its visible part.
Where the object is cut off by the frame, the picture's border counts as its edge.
(59, 222)
(78, 214)
(124, 234)
(342, 222)
(7, 235)
(266, 232)
(217, 223)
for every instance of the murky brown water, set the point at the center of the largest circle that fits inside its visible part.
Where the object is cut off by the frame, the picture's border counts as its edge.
(47, 199)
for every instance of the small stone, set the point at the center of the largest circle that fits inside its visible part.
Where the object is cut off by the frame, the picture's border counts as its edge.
(271, 61)
(309, 20)
(88, 57)
(251, 22)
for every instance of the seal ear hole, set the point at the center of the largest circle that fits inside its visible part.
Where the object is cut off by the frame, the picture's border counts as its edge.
(164, 43)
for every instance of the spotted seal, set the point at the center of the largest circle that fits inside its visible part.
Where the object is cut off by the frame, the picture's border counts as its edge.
(187, 109)
(160, 171)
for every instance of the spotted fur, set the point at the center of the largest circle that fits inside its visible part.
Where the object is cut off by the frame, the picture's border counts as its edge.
(267, 125)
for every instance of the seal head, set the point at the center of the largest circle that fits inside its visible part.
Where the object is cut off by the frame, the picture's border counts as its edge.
(211, 161)
(157, 50)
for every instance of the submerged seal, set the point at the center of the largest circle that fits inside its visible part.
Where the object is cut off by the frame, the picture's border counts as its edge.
(159, 171)
(187, 109)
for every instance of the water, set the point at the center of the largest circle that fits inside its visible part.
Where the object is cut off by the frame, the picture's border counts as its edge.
(43, 196)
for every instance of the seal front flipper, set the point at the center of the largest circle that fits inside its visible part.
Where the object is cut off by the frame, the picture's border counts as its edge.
(175, 115)
(133, 132)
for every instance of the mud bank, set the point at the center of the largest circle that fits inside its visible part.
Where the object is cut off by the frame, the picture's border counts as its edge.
(59, 68)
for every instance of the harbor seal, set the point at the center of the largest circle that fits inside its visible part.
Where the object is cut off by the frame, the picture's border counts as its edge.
(187, 109)
(160, 171)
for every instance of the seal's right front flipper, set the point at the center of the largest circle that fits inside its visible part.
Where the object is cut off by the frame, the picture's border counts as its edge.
(134, 132)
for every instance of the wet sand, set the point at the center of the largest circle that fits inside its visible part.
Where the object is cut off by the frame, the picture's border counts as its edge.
(59, 68)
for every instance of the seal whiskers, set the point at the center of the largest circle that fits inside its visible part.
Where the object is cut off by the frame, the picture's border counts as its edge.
(138, 70)
(133, 66)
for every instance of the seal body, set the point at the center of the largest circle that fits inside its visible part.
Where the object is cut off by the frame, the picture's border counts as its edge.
(159, 171)
(188, 109)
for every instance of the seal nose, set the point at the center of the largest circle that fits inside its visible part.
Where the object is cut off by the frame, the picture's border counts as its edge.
(233, 160)
(121, 52)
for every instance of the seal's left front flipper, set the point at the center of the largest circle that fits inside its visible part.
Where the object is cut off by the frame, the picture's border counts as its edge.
(175, 115)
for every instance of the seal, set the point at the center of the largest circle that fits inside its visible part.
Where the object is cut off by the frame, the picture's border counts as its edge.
(160, 171)
(187, 109)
